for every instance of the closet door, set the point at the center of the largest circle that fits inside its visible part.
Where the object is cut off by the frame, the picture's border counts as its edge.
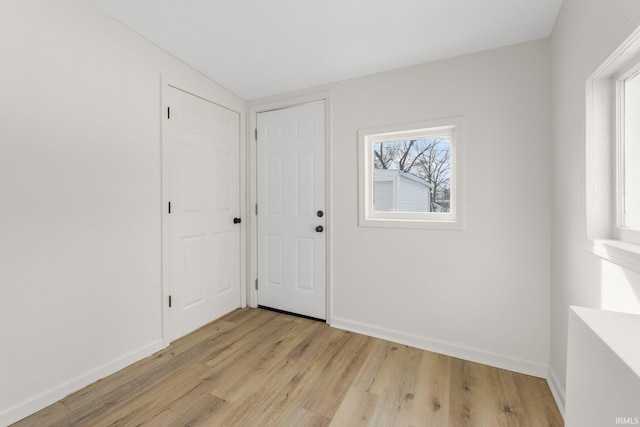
(203, 238)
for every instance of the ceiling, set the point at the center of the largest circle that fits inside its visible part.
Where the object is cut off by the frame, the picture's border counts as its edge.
(258, 48)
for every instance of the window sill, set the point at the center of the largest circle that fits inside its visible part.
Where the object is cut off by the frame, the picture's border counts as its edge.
(624, 254)
(411, 223)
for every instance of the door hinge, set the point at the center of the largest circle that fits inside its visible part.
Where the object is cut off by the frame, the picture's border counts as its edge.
(168, 112)
(256, 209)
(169, 207)
(169, 301)
(256, 133)
(256, 284)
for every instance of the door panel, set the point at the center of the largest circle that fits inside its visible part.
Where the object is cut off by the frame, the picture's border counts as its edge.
(306, 263)
(222, 241)
(274, 264)
(203, 186)
(193, 269)
(291, 189)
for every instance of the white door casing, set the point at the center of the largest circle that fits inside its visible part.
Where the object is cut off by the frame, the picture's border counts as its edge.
(203, 189)
(291, 193)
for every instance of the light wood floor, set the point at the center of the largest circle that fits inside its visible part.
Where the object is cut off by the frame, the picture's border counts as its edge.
(259, 368)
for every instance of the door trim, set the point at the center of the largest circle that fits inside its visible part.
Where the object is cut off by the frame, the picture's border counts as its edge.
(252, 224)
(198, 91)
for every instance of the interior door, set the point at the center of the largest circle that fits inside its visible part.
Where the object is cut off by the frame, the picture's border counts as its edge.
(203, 187)
(291, 209)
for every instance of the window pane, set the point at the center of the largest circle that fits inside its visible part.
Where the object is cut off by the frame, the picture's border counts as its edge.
(412, 175)
(631, 158)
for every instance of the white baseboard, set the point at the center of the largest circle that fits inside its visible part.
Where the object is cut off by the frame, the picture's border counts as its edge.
(523, 366)
(557, 389)
(55, 394)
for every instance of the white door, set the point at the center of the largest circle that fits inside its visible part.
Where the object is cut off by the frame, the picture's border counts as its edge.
(203, 187)
(291, 209)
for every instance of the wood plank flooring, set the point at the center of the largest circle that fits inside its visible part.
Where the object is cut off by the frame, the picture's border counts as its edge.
(259, 368)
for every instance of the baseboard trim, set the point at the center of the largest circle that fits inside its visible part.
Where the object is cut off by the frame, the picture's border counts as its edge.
(557, 390)
(55, 394)
(523, 366)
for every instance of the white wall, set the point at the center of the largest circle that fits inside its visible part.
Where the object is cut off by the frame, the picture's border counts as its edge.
(586, 32)
(80, 197)
(481, 293)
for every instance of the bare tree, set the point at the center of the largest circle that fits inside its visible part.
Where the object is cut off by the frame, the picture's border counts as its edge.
(384, 153)
(435, 167)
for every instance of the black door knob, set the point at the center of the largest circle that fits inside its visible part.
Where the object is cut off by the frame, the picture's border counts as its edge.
(237, 220)
(319, 229)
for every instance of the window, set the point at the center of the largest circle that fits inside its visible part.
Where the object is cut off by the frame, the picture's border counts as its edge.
(409, 175)
(628, 156)
(613, 155)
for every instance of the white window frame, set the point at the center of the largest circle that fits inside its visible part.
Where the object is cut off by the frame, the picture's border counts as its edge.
(621, 231)
(604, 157)
(368, 217)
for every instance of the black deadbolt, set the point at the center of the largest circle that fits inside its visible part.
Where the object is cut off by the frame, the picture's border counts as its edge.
(320, 214)
(237, 220)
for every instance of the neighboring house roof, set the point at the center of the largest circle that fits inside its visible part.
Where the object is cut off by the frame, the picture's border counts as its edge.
(388, 174)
